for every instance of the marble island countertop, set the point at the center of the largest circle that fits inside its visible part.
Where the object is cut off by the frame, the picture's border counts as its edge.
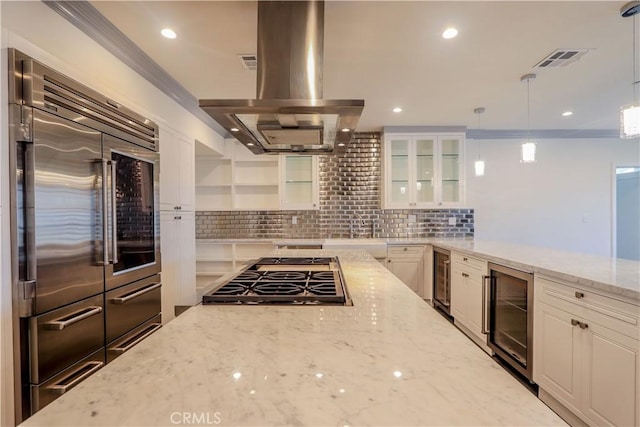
(390, 359)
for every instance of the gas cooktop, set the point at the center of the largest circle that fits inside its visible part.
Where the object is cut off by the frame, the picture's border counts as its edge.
(290, 280)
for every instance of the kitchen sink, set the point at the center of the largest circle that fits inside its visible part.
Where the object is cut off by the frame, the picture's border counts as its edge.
(376, 247)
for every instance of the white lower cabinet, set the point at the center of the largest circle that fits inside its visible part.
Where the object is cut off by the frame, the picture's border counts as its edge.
(178, 248)
(407, 264)
(467, 299)
(587, 353)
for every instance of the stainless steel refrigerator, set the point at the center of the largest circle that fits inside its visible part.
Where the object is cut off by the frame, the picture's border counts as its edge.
(85, 231)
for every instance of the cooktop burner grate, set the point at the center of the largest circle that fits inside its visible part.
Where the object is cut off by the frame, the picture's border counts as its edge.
(284, 275)
(275, 288)
(248, 275)
(233, 288)
(257, 284)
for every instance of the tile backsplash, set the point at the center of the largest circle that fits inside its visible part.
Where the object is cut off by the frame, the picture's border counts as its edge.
(349, 204)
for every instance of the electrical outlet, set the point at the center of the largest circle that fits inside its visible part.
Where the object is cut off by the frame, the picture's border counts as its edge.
(294, 220)
(452, 220)
(412, 218)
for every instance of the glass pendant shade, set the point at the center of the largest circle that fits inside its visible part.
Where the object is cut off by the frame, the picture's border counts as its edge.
(479, 167)
(630, 122)
(528, 152)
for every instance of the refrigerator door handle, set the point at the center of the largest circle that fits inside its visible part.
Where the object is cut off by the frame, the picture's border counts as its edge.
(105, 224)
(30, 219)
(114, 217)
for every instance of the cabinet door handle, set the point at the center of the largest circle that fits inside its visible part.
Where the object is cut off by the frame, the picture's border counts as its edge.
(465, 259)
(579, 294)
(574, 322)
(405, 249)
(583, 325)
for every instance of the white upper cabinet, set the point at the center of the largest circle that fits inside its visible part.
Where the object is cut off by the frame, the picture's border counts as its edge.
(423, 170)
(177, 180)
(299, 182)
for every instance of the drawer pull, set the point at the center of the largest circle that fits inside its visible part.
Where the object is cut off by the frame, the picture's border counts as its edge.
(405, 249)
(579, 294)
(136, 294)
(582, 325)
(465, 258)
(76, 377)
(136, 339)
(63, 322)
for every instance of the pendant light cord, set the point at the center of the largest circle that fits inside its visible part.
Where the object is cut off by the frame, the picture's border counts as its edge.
(528, 111)
(636, 77)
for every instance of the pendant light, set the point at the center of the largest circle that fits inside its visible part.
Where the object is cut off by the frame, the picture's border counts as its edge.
(630, 114)
(479, 164)
(528, 147)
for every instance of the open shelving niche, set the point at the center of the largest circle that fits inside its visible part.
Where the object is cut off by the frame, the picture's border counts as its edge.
(218, 260)
(238, 180)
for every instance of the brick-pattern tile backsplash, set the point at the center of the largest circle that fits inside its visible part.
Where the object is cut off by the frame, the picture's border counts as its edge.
(349, 205)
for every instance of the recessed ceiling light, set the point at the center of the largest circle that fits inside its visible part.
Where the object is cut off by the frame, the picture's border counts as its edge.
(397, 110)
(250, 144)
(449, 33)
(168, 33)
(346, 130)
(341, 145)
(567, 113)
(234, 129)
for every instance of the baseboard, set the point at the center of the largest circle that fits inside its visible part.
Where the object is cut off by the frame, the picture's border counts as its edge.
(557, 407)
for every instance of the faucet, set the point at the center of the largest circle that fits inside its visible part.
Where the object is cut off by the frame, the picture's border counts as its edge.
(352, 223)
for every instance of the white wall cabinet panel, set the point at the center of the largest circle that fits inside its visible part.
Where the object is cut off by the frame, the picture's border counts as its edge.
(587, 352)
(178, 260)
(423, 170)
(177, 180)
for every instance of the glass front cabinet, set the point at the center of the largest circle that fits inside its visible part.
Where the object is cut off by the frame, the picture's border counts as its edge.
(423, 170)
(299, 182)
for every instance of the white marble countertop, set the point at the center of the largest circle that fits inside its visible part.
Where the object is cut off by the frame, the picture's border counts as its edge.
(614, 276)
(390, 359)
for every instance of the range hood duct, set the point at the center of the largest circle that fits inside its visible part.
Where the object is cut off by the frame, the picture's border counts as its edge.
(289, 114)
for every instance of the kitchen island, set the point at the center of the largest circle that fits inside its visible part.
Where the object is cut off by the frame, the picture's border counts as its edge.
(390, 359)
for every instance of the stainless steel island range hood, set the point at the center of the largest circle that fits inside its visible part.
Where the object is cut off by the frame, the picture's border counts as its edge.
(289, 114)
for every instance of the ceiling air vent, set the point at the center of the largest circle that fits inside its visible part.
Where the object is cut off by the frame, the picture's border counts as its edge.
(561, 57)
(250, 61)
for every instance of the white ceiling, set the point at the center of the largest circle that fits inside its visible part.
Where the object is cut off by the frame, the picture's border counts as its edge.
(391, 53)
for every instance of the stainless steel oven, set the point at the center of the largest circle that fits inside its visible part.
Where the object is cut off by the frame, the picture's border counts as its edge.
(85, 228)
(511, 317)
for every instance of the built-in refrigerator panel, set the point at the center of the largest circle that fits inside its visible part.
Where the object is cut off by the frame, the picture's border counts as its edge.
(62, 215)
(84, 221)
(442, 279)
(511, 317)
